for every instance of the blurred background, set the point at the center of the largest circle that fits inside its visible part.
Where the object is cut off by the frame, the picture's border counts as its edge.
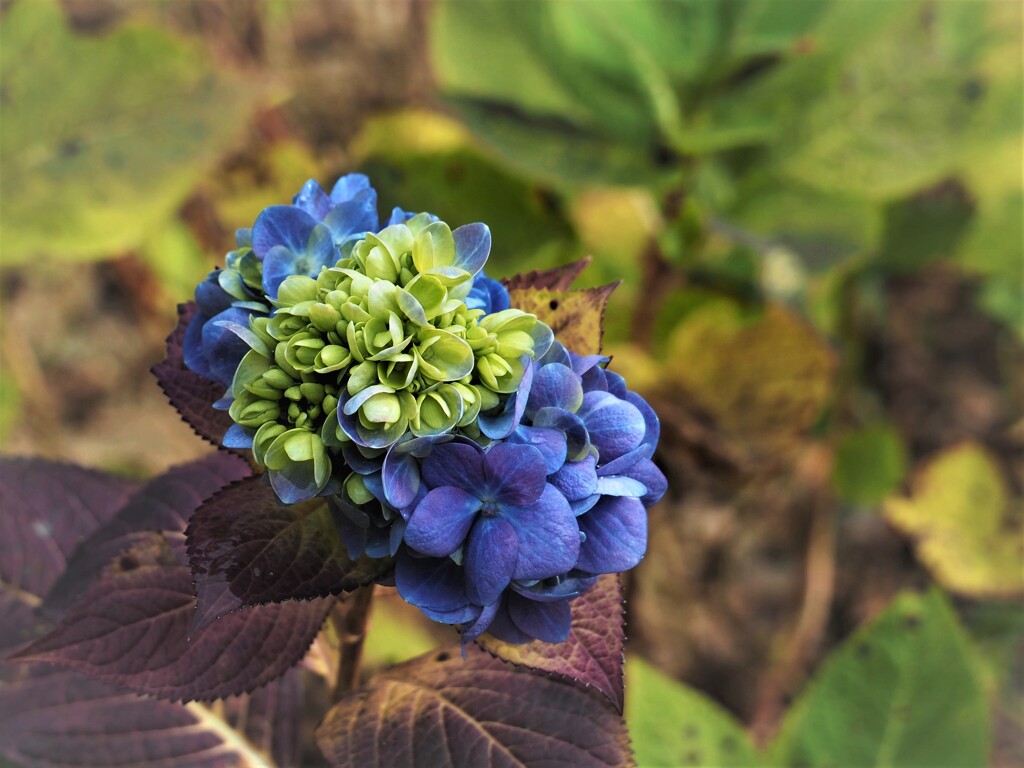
(815, 207)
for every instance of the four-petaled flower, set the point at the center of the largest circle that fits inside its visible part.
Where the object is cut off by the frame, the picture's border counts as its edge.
(497, 507)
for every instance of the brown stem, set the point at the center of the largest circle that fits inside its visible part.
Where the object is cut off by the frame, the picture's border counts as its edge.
(350, 619)
(819, 589)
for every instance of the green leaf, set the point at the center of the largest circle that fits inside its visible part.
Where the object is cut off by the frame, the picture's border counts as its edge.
(765, 27)
(567, 92)
(822, 229)
(103, 137)
(673, 725)
(175, 258)
(969, 531)
(992, 250)
(903, 691)
(420, 161)
(894, 113)
(870, 464)
(926, 227)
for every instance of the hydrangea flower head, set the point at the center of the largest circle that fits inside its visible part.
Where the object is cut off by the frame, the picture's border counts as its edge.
(378, 366)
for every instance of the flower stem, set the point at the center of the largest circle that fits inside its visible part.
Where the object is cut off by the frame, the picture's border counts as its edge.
(350, 619)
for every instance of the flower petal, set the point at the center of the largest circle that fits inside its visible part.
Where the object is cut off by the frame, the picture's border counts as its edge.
(353, 218)
(224, 350)
(471, 632)
(472, 246)
(653, 479)
(283, 225)
(498, 425)
(615, 426)
(490, 558)
(238, 436)
(572, 426)
(401, 478)
(503, 628)
(549, 622)
(550, 442)
(549, 538)
(555, 386)
(563, 588)
(313, 200)
(616, 530)
(455, 463)
(433, 583)
(348, 186)
(620, 485)
(513, 474)
(440, 522)
(576, 479)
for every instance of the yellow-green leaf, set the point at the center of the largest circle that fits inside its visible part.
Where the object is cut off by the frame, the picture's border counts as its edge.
(969, 532)
(764, 378)
(103, 137)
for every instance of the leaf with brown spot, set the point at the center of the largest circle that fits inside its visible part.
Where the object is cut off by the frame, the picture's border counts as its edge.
(556, 279)
(575, 316)
(442, 710)
(592, 656)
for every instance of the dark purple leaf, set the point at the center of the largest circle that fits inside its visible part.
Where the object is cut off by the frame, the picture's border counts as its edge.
(592, 656)
(58, 719)
(247, 548)
(133, 628)
(441, 710)
(557, 279)
(191, 394)
(271, 718)
(165, 503)
(47, 509)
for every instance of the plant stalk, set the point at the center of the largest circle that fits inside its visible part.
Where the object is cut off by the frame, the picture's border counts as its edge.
(350, 620)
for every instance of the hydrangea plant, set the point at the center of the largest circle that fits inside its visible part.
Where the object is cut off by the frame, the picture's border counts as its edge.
(387, 414)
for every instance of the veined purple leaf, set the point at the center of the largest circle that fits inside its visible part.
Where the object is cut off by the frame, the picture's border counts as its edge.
(192, 395)
(165, 503)
(247, 548)
(48, 508)
(592, 656)
(441, 710)
(132, 627)
(556, 279)
(58, 719)
(271, 718)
